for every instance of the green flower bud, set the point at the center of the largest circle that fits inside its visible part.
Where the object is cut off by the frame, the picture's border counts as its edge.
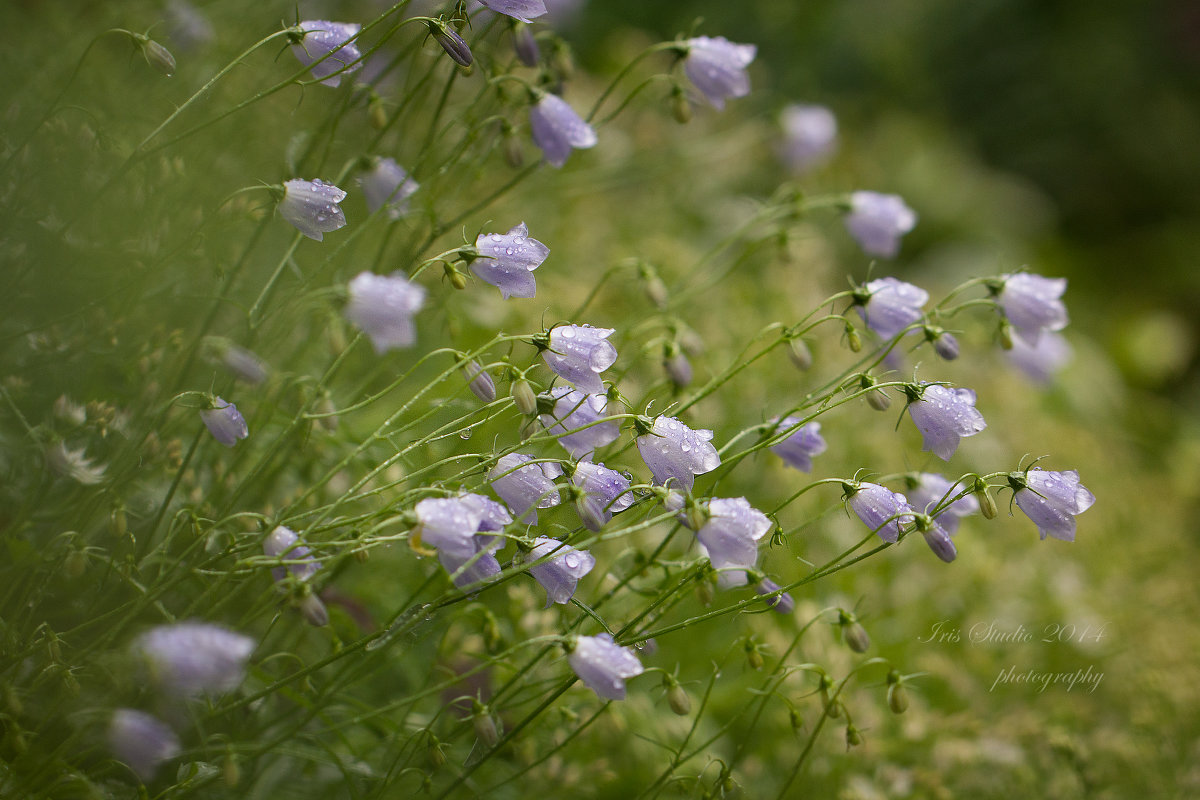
(484, 724)
(523, 397)
(897, 698)
(75, 564)
(853, 341)
(157, 56)
(799, 353)
(853, 737)
(231, 770)
(677, 698)
(681, 107)
(987, 505)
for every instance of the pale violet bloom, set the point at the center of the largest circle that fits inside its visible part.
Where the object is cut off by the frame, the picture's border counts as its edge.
(809, 136)
(880, 509)
(730, 537)
(579, 353)
(387, 185)
(937, 537)
(1041, 361)
(524, 10)
(877, 221)
(507, 261)
(480, 565)
(927, 489)
(1051, 500)
(717, 67)
(383, 306)
(479, 381)
(604, 665)
(283, 543)
(195, 657)
(783, 602)
(448, 524)
(798, 449)
(945, 345)
(314, 39)
(561, 573)
(224, 422)
(312, 206)
(492, 515)
(525, 487)
(1033, 304)
(888, 305)
(572, 421)
(141, 740)
(556, 129)
(244, 364)
(675, 452)
(943, 416)
(602, 493)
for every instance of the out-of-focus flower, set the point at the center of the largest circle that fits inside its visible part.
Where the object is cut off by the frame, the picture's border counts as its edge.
(244, 364)
(880, 509)
(604, 665)
(507, 261)
(195, 657)
(526, 46)
(943, 416)
(525, 488)
(1051, 500)
(283, 543)
(798, 449)
(560, 575)
(313, 39)
(730, 537)
(675, 452)
(1043, 360)
(579, 353)
(809, 136)
(387, 185)
(1032, 303)
(602, 493)
(677, 366)
(224, 422)
(574, 411)
(717, 67)
(877, 221)
(74, 464)
(312, 206)
(927, 489)
(479, 566)
(888, 305)
(141, 740)
(187, 27)
(556, 129)
(782, 603)
(524, 10)
(383, 306)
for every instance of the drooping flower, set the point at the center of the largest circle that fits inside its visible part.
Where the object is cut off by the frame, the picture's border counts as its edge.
(524, 10)
(717, 67)
(927, 489)
(877, 221)
(730, 538)
(809, 136)
(675, 452)
(1051, 499)
(782, 603)
(880, 509)
(447, 524)
(195, 657)
(314, 39)
(556, 128)
(559, 575)
(479, 381)
(888, 305)
(455, 46)
(575, 411)
(937, 537)
(579, 353)
(387, 185)
(602, 493)
(141, 740)
(1043, 360)
(224, 422)
(1032, 303)
(798, 449)
(604, 665)
(525, 488)
(479, 566)
(507, 261)
(244, 364)
(383, 306)
(526, 46)
(283, 543)
(492, 515)
(312, 206)
(943, 416)
(945, 345)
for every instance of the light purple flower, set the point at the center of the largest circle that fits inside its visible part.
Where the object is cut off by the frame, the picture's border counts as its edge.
(945, 345)
(187, 27)
(604, 665)
(224, 422)
(492, 515)
(943, 416)
(1033, 304)
(717, 67)
(387, 185)
(282, 543)
(880, 509)
(1051, 500)
(1043, 360)
(730, 538)
(195, 657)
(604, 492)
(525, 488)
(507, 261)
(877, 221)
(383, 306)
(141, 740)
(783, 603)
(524, 10)
(448, 524)
(888, 305)
(479, 381)
(244, 364)
(556, 128)
(927, 489)
(312, 206)
(675, 452)
(317, 38)
(579, 353)
(477, 567)
(937, 538)
(573, 411)
(809, 136)
(798, 449)
(559, 575)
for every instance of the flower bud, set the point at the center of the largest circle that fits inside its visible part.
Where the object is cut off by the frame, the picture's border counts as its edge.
(799, 353)
(75, 564)
(484, 724)
(853, 341)
(876, 398)
(853, 737)
(492, 638)
(795, 719)
(117, 523)
(376, 113)
(479, 381)
(512, 148)
(313, 610)
(437, 757)
(853, 633)
(525, 45)
(897, 698)
(946, 346)
(561, 60)
(677, 698)
(677, 366)
(681, 107)
(457, 279)
(656, 290)
(452, 43)
(523, 397)
(157, 56)
(753, 655)
(1006, 334)
(987, 505)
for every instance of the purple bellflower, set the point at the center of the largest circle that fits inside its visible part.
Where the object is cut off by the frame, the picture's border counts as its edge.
(507, 261)
(888, 305)
(313, 39)
(561, 573)
(387, 185)
(574, 410)
(556, 129)
(877, 221)
(282, 543)
(675, 452)
(461, 529)
(943, 416)
(880, 509)
(383, 306)
(1051, 500)
(602, 492)
(1040, 362)
(717, 67)
(579, 353)
(526, 488)
(936, 537)
(195, 657)
(927, 489)
(604, 665)
(1032, 304)
(141, 740)
(798, 449)
(224, 422)
(524, 10)
(312, 206)
(730, 538)
(809, 137)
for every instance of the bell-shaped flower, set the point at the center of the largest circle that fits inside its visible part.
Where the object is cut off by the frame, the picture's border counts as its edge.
(937, 537)
(877, 221)
(507, 261)
(194, 657)
(284, 543)
(525, 487)
(579, 353)
(556, 129)
(809, 137)
(1032, 303)
(888, 306)
(313, 39)
(387, 185)
(224, 422)
(1041, 361)
(141, 740)
(675, 452)
(479, 566)
(730, 538)
(943, 416)
(447, 524)
(492, 515)
(244, 364)
(717, 67)
(312, 206)
(603, 665)
(602, 492)
(880, 509)
(560, 574)
(383, 306)
(926, 490)
(575, 417)
(798, 449)
(1051, 500)
(524, 10)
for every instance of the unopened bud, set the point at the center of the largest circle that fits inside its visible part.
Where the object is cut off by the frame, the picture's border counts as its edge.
(376, 113)
(677, 366)
(876, 398)
(897, 698)
(75, 564)
(479, 381)
(1006, 334)
(681, 107)
(946, 346)
(512, 148)
(523, 397)
(753, 655)
(562, 61)
(796, 720)
(491, 633)
(313, 610)
(452, 43)
(853, 737)
(799, 353)
(987, 505)
(117, 523)
(457, 279)
(157, 56)
(656, 290)
(525, 45)
(678, 699)
(437, 757)
(484, 724)
(853, 341)
(853, 633)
